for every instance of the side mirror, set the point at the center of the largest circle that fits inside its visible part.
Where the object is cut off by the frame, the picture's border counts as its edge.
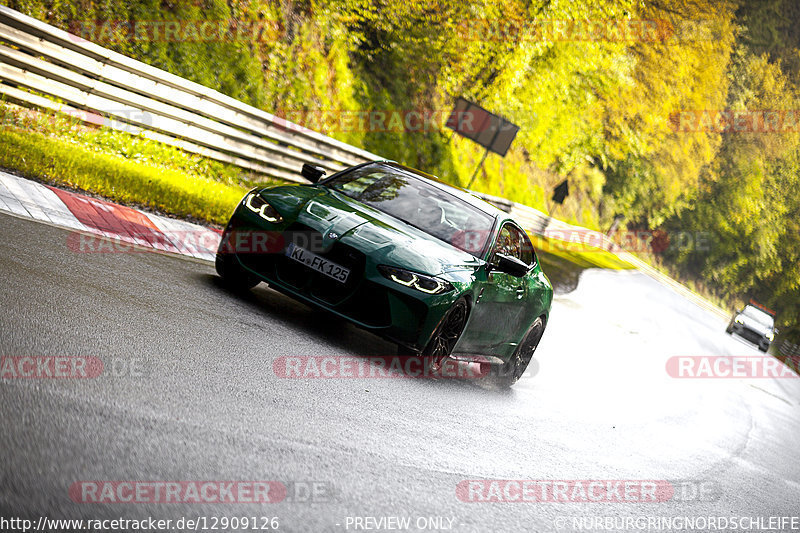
(511, 265)
(312, 173)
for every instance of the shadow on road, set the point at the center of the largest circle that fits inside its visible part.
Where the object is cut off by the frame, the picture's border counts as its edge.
(378, 358)
(316, 324)
(372, 349)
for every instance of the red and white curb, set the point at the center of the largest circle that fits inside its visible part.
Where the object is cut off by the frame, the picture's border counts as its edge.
(117, 223)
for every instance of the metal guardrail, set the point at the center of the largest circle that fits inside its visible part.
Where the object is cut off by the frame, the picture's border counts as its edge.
(47, 68)
(44, 67)
(789, 349)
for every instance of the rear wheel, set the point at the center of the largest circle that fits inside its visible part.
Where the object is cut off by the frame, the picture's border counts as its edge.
(510, 372)
(446, 336)
(232, 273)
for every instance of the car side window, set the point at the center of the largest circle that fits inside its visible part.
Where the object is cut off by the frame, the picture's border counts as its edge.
(528, 255)
(513, 242)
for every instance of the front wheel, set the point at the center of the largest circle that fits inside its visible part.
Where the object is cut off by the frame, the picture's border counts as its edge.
(510, 372)
(446, 336)
(232, 273)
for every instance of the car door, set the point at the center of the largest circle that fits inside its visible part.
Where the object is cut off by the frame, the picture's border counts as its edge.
(500, 309)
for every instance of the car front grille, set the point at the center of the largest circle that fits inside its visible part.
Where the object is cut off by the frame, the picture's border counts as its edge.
(751, 335)
(357, 298)
(316, 284)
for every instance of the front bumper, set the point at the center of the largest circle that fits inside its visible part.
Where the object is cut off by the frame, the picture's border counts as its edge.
(751, 335)
(369, 300)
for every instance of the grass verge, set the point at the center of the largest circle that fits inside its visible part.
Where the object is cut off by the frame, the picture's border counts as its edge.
(587, 256)
(60, 162)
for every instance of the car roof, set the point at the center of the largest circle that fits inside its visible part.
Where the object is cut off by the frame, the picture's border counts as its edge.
(757, 310)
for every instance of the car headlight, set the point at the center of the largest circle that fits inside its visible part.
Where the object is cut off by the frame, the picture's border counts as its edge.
(420, 282)
(256, 204)
(739, 320)
(770, 335)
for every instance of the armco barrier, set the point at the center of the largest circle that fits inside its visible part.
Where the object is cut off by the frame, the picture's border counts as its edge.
(47, 68)
(789, 349)
(38, 58)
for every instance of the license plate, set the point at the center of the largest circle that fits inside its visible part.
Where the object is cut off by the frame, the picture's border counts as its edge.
(318, 263)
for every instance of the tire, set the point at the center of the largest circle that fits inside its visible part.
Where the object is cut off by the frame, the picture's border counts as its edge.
(232, 273)
(509, 373)
(446, 335)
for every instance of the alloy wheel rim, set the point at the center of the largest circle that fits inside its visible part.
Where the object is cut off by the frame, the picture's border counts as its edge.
(449, 333)
(523, 357)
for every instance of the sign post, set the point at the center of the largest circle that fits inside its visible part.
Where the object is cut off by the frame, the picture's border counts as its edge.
(489, 130)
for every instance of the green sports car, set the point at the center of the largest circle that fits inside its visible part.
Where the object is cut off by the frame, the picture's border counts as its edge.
(426, 265)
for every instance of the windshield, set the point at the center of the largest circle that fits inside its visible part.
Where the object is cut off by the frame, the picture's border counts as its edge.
(759, 316)
(418, 203)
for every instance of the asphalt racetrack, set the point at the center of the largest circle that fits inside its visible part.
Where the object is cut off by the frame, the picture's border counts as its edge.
(189, 392)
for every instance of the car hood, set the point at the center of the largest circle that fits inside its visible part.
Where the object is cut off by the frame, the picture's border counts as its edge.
(755, 325)
(382, 237)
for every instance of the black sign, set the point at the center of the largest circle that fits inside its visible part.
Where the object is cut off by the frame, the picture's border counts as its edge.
(561, 192)
(473, 122)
